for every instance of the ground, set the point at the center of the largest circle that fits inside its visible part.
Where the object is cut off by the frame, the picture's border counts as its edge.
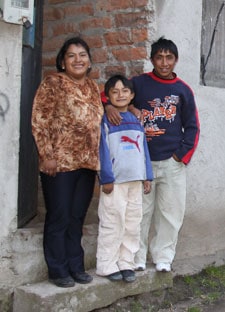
(203, 292)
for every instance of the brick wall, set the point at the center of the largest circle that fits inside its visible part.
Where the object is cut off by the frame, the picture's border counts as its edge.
(117, 32)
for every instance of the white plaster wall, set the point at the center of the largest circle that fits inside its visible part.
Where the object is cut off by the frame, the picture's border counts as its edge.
(10, 85)
(201, 240)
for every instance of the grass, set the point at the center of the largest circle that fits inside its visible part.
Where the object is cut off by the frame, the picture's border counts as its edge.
(208, 287)
(193, 309)
(196, 291)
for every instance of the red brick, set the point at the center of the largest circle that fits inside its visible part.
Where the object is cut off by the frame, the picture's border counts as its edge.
(49, 60)
(93, 41)
(102, 5)
(90, 23)
(106, 22)
(99, 56)
(134, 19)
(52, 14)
(118, 38)
(65, 28)
(62, 1)
(94, 74)
(130, 54)
(139, 35)
(53, 44)
(113, 5)
(136, 70)
(112, 70)
(139, 53)
(80, 10)
(140, 3)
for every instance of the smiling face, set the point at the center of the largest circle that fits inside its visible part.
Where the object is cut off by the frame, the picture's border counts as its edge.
(120, 96)
(164, 63)
(76, 62)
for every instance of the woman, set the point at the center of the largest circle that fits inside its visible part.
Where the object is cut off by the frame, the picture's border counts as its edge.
(66, 117)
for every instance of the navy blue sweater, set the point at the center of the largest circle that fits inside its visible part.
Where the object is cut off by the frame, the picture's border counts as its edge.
(170, 116)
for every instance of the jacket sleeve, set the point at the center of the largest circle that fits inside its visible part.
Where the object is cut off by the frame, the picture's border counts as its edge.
(191, 129)
(103, 98)
(106, 173)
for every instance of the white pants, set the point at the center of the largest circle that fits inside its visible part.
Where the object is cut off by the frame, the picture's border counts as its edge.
(120, 215)
(165, 207)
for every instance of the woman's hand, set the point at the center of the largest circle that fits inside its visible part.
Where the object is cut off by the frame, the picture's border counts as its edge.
(50, 167)
(107, 188)
(113, 115)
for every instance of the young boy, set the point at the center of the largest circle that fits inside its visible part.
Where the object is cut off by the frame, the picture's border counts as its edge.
(125, 165)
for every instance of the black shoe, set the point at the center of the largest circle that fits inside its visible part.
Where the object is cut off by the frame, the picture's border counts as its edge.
(63, 281)
(139, 268)
(114, 277)
(128, 276)
(82, 277)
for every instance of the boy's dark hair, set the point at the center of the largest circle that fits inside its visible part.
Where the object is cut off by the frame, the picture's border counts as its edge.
(110, 83)
(163, 44)
(65, 47)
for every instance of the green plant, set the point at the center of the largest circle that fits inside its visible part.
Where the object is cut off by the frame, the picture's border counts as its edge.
(136, 307)
(189, 280)
(211, 297)
(194, 309)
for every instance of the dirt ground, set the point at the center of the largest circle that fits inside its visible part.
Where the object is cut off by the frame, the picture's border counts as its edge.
(204, 292)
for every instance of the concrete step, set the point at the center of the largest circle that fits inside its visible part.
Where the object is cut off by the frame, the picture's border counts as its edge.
(46, 297)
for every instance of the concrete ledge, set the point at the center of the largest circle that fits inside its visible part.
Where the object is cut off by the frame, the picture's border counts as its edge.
(45, 297)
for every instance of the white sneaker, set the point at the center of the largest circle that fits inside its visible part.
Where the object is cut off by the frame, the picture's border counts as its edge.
(163, 267)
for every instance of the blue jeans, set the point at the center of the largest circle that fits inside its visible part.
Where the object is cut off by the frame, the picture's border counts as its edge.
(67, 198)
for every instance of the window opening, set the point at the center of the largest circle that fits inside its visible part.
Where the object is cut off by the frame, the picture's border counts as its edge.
(213, 44)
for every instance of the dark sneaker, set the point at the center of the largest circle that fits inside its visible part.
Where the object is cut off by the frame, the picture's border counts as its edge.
(63, 281)
(139, 268)
(114, 277)
(82, 277)
(128, 276)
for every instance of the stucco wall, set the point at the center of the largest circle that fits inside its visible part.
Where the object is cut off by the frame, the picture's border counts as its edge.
(201, 239)
(10, 83)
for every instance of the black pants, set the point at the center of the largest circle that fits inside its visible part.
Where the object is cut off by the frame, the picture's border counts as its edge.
(67, 197)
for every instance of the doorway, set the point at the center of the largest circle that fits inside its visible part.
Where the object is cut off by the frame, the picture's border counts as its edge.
(31, 77)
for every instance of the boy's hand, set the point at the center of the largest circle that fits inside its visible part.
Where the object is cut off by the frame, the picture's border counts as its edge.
(113, 115)
(107, 188)
(176, 158)
(147, 187)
